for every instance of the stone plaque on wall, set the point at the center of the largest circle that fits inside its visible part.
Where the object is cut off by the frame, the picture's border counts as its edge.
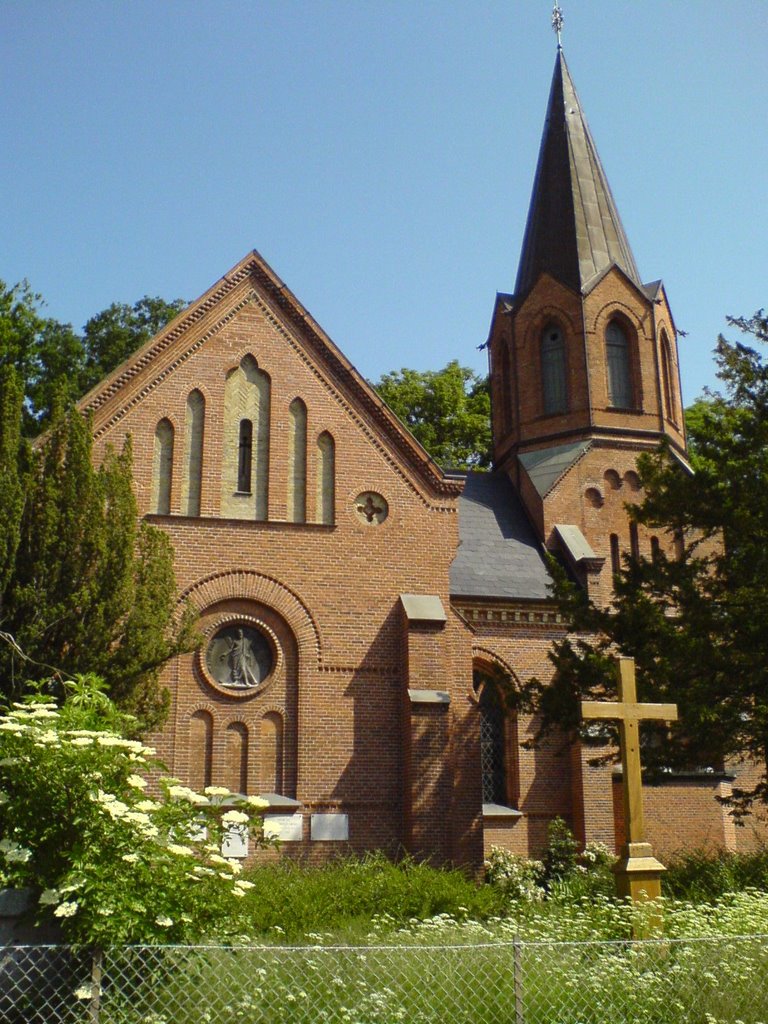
(330, 827)
(235, 842)
(288, 828)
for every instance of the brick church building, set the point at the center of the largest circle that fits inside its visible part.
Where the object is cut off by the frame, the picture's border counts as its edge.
(355, 600)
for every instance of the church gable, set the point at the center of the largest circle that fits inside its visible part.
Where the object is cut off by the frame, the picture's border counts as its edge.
(237, 407)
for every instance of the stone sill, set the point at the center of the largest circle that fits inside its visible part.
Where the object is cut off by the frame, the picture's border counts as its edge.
(498, 812)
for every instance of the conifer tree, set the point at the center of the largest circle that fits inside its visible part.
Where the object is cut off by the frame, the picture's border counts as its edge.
(90, 589)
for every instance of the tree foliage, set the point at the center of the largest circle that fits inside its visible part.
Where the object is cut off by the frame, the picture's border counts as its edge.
(49, 356)
(448, 411)
(695, 623)
(84, 586)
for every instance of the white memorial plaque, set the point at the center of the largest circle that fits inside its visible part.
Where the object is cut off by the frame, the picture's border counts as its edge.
(330, 827)
(288, 828)
(235, 842)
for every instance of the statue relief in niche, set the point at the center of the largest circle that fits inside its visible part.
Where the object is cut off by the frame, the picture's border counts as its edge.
(239, 657)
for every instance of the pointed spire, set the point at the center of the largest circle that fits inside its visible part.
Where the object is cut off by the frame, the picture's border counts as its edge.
(574, 231)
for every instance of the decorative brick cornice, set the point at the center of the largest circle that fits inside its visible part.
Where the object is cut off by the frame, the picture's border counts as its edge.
(503, 616)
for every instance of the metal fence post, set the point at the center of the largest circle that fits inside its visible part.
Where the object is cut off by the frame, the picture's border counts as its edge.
(517, 976)
(97, 971)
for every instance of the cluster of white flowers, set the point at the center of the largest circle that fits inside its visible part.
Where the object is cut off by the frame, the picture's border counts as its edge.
(13, 852)
(185, 793)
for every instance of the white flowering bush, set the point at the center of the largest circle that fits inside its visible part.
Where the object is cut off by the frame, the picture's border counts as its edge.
(112, 858)
(516, 877)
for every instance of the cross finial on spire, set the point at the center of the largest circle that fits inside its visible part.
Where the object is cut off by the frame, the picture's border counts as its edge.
(557, 22)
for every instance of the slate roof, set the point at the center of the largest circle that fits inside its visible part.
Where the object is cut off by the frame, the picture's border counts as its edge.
(574, 231)
(545, 466)
(499, 554)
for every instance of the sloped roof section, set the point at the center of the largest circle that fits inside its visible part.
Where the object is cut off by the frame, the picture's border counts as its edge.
(499, 554)
(574, 231)
(545, 466)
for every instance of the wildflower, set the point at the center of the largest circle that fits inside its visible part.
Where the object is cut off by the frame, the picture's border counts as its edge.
(84, 992)
(164, 921)
(146, 805)
(217, 791)
(49, 896)
(130, 858)
(68, 909)
(81, 741)
(243, 884)
(136, 782)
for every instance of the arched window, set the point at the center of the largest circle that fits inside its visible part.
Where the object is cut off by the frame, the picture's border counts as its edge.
(618, 361)
(667, 372)
(245, 478)
(200, 750)
(553, 370)
(162, 468)
(326, 486)
(615, 554)
(297, 462)
(497, 762)
(193, 454)
(634, 541)
(244, 456)
(237, 757)
(272, 752)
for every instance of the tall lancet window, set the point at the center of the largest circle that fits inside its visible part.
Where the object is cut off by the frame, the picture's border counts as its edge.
(617, 357)
(245, 457)
(553, 371)
(493, 753)
(162, 468)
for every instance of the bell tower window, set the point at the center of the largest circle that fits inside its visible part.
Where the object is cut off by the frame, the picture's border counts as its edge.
(553, 371)
(619, 367)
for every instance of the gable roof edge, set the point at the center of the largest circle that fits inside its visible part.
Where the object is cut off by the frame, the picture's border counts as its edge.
(253, 264)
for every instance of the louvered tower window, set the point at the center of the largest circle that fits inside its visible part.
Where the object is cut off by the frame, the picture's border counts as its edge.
(619, 368)
(553, 371)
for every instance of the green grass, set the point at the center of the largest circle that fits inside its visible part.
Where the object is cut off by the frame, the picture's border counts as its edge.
(294, 903)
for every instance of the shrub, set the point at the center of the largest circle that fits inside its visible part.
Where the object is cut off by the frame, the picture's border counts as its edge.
(517, 878)
(110, 862)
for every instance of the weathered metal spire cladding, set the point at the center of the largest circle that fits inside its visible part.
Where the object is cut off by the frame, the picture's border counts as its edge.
(574, 231)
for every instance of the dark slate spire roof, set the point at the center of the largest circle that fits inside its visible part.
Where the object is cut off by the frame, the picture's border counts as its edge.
(573, 230)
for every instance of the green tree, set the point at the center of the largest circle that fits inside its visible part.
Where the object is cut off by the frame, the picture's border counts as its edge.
(50, 356)
(448, 411)
(695, 624)
(112, 335)
(86, 586)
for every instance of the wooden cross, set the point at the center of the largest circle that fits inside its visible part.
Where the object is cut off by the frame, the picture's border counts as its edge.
(629, 715)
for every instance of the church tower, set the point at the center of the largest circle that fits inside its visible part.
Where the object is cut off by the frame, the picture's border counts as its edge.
(583, 357)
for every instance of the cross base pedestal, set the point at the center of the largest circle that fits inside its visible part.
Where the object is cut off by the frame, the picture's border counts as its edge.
(638, 873)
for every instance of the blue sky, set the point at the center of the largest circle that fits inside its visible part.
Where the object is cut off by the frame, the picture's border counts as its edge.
(379, 155)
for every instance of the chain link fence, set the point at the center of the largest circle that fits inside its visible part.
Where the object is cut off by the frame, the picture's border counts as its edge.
(722, 980)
